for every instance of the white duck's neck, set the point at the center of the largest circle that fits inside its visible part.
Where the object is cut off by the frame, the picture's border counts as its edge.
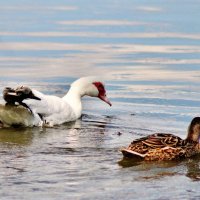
(79, 88)
(73, 98)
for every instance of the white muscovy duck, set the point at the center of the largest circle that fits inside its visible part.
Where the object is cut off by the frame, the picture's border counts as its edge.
(48, 110)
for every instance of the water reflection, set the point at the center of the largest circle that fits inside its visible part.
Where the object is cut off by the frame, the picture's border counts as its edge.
(131, 162)
(142, 35)
(193, 168)
(102, 23)
(23, 136)
(82, 133)
(38, 8)
(17, 136)
(150, 8)
(24, 150)
(158, 170)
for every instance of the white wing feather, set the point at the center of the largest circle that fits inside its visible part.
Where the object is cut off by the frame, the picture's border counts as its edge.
(53, 109)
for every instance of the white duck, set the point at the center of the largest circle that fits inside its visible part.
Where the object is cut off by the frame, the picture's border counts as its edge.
(48, 109)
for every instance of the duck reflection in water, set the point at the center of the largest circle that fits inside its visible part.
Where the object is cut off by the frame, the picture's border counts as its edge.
(193, 169)
(189, 167)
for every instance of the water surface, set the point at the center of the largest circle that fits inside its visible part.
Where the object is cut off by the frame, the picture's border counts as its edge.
(150, 54)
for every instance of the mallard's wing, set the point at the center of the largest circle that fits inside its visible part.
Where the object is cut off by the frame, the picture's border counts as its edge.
(140, 147)
(161, 140)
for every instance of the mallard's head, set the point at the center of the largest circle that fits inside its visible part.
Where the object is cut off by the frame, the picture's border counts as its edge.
(194, 130)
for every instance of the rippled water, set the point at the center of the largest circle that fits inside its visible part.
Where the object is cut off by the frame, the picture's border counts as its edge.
(150, 54)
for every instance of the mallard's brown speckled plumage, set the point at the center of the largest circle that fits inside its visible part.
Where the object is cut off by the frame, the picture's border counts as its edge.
(163, 146)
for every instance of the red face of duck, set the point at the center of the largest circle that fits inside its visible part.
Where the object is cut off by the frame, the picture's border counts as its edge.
(102, 92)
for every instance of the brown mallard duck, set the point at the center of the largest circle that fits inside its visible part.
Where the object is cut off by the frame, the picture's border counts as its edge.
(163, 146)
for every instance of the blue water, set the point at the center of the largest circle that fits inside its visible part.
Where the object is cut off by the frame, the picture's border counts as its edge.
(149, 52)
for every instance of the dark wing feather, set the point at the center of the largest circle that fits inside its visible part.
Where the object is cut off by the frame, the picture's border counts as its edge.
(155, 141)
(160, 140)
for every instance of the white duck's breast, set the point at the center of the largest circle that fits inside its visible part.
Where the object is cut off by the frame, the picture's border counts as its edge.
(59, 111)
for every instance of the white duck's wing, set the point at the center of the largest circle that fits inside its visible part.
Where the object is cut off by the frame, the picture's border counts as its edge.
(11, 115)
(46, 106)
(54, 110)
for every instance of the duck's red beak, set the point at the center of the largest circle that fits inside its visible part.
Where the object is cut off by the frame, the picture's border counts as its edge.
(105, 99)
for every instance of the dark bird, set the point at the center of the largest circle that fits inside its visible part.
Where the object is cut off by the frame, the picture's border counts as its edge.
(163, 146)
(9, 95)
(12, 96)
